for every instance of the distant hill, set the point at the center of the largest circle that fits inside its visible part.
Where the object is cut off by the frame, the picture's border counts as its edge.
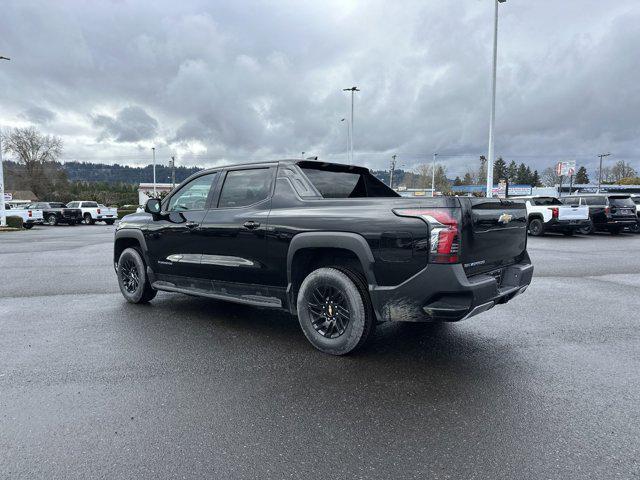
(99, 172)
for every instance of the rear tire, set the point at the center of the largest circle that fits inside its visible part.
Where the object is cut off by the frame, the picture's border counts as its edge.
(132, 277)
(588, 230)
(28, 226)
(536, 227)
(88, 220)
(52, 220)
(334, 310)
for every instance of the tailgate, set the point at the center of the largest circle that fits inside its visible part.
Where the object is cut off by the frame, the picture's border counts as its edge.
(494, 233)
(573, 212)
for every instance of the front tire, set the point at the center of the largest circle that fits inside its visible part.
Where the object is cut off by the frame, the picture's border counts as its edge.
(28, 226)
(334, 310)
(132, 277)
(635, 228)
(536, 227)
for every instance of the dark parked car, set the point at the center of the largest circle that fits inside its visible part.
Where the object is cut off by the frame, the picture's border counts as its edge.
(608, 212)
(636, 228)
(330, 243)
(56, 212)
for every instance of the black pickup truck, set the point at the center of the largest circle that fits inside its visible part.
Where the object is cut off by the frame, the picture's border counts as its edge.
(330, 243)
(56, 212)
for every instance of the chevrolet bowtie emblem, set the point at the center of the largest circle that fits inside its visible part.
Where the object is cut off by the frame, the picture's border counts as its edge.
(505, 218)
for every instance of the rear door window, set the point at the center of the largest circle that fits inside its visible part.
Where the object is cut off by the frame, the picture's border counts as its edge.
(245, 187)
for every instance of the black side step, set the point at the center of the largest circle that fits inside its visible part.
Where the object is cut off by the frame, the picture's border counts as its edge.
(254, 300)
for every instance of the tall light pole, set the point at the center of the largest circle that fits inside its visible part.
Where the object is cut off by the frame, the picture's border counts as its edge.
(433, 176)
(3, 215)
(353, 90)
(392, 170)
(602, 155)
(348, 139)
(153, 149)
(173, 172)
(492, 121)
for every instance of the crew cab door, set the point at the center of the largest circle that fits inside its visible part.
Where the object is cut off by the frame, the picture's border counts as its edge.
(174, 241)
(234, 229)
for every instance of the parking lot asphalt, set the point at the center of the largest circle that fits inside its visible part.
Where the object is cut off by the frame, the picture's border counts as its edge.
(545, 387)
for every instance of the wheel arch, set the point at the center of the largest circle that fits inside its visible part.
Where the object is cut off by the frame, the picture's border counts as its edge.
(311, 250)
(127, 238)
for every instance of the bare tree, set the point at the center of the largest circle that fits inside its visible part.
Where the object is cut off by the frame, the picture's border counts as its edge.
(622, 170)
(38, 154)
(549, 177)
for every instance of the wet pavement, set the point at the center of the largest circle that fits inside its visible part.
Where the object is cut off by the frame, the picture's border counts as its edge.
(547, 386)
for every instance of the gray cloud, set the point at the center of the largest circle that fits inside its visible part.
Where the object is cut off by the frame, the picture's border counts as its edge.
(235, 81)
(131, 124)
(39, 115)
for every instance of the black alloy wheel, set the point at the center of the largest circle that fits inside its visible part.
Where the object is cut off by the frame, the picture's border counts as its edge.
(334, 310)
(129, 275)
(329, 311)
(132, 277)
(587, 230)
(535, 227)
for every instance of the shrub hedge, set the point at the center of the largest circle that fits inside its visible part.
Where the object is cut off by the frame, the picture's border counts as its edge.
(14, 222)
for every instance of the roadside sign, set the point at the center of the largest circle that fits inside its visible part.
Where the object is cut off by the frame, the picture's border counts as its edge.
(8, 196)
(566, 169)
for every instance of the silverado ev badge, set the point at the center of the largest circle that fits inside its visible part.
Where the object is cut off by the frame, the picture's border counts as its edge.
(505, 218)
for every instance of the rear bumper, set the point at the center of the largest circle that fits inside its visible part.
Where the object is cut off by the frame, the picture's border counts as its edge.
(35, 221)
(445, 293)
(566, 224)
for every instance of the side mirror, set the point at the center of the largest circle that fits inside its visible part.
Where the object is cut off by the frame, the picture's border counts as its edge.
(152, 206)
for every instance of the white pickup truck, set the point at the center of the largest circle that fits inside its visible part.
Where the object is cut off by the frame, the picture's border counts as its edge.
(549, 214)
(30, 217)
(92, 212)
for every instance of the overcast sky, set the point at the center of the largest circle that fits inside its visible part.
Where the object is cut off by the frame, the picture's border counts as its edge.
(219, 82)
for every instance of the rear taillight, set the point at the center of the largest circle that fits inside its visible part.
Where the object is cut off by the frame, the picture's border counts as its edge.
(607, 210)
(98, 211)
(554, 212)
(444, 244)
(29, 213)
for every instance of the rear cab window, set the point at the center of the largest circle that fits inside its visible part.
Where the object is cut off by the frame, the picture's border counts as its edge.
(621, 202)
(89, 204)
(339, 181)
(544, 201)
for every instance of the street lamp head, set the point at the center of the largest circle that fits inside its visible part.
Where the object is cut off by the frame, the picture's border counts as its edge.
(502, 1)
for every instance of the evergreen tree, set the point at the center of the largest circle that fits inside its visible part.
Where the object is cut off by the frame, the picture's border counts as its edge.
(457, 182)
(521, 175)
(499, 170)
(529, 176)
(535, 179)
(512, 172)
(467, 179)
(581, 176)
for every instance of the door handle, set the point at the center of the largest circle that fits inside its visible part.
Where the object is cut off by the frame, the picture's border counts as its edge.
(191, 225)
(251, 225)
